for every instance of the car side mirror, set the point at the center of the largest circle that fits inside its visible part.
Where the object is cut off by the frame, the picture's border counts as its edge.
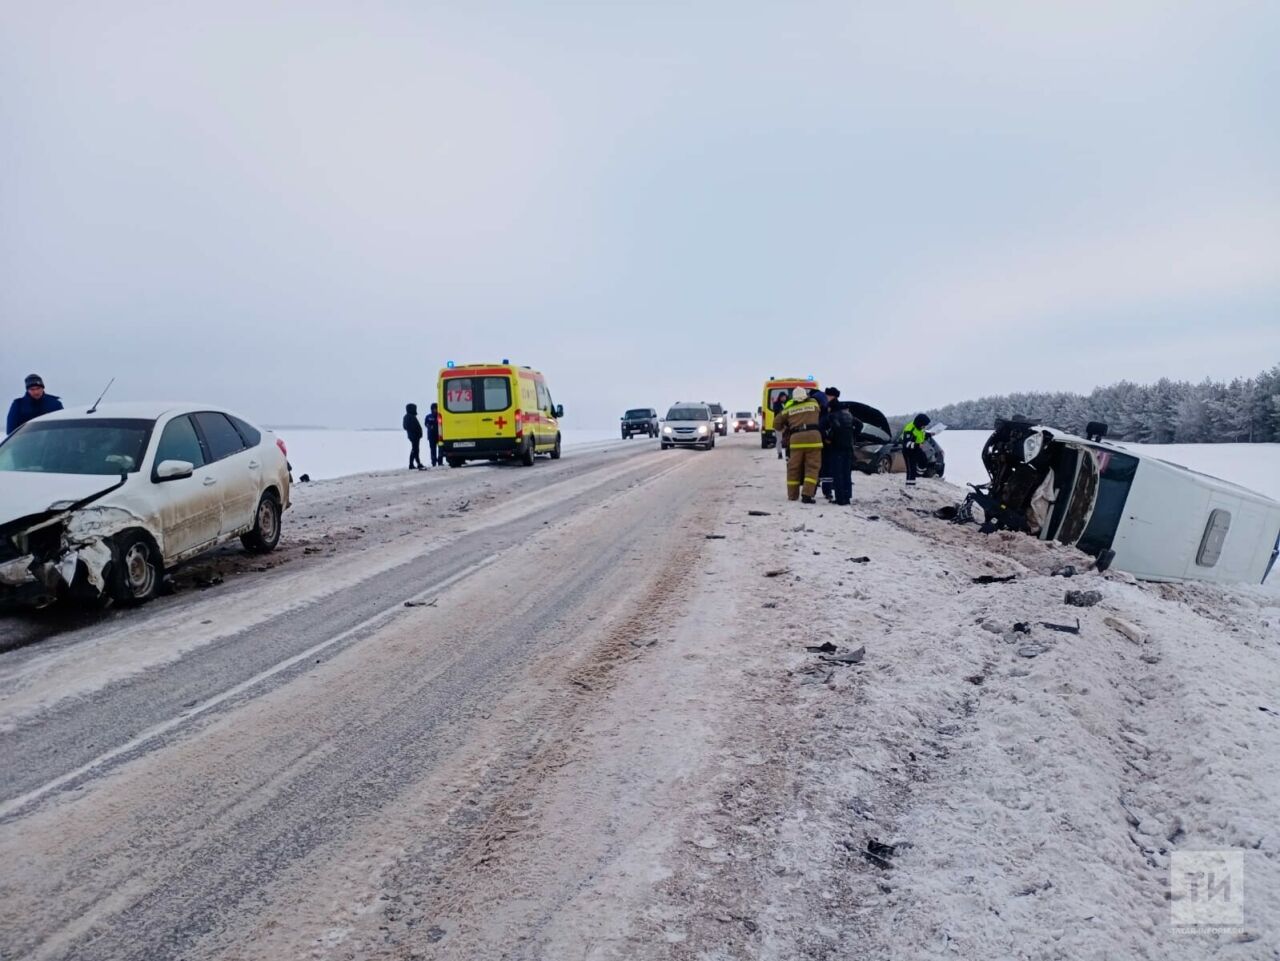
(171, 470)
(558, 410)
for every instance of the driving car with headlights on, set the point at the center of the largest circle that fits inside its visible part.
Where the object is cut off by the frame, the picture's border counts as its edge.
(689, 425)
(746, 421)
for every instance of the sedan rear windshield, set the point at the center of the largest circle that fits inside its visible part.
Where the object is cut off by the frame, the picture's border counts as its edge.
(107, 446)
(476, 395)
(688, 413)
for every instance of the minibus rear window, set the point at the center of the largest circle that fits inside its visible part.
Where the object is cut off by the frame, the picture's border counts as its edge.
(476, 395)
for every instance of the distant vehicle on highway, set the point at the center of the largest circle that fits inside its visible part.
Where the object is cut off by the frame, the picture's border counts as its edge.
(689, 425)
(640, 420)
(746, 421)
(720, 418)
(99, 504)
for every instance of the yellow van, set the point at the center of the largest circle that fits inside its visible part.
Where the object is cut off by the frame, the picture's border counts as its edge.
(496, 412)
(774, 388)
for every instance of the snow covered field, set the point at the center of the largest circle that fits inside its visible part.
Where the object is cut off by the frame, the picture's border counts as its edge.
(335, 453)
(1256, 466)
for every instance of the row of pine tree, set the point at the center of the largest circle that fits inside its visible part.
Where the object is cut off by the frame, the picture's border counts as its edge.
(1166, 412)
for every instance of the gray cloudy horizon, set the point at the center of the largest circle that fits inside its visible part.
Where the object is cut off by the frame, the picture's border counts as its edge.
(302, 211)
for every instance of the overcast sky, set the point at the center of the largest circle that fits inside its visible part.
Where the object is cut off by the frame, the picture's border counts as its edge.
(303, 210)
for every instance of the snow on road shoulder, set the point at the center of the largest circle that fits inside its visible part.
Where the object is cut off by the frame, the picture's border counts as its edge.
(981, 785)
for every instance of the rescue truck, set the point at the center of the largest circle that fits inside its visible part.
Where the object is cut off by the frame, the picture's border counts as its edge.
(497, 412)
(774, 388)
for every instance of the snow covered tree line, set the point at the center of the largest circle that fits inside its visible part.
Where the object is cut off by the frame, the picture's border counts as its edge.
(1166, 412)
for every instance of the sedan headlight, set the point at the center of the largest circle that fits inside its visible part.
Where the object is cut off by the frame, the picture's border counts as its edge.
(702, 429)
(666, 430)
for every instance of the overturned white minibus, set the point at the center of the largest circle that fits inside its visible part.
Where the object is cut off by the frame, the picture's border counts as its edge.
(1156, 520)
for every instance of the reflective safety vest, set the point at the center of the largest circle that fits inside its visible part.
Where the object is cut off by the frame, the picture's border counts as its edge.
(798, 422)
(913, 433)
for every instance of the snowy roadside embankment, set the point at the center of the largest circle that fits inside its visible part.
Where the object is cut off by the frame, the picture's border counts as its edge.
(981, 785)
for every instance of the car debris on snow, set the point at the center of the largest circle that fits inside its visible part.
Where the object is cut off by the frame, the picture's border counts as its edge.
(1082, 598)
(1062, 628)
(994, 579)
(1131, 631)
(777, 572)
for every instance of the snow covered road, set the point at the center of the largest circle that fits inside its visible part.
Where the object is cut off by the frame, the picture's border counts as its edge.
(598, 733)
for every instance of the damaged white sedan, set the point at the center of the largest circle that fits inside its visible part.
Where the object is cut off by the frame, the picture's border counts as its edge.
(99, 503)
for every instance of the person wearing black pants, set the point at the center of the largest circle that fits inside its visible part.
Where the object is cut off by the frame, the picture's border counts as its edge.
(842, 429)
(432, 421)
(414, 430)
(913, 438)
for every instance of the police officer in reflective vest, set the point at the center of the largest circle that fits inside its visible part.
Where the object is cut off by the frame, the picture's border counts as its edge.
(798, 423)
(913, 438)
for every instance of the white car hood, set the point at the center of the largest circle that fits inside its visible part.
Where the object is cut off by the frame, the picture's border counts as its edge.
(30, 492)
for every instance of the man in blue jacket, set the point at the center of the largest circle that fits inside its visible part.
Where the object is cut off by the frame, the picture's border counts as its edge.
(31, 404)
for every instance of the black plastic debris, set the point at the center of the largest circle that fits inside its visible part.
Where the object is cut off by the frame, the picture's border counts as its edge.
(947, 513)
(769, 604)
(826, 647)
(1066, 570)
(1082, 598)
(777, 572)
(714, 537)
(758, 514)
(879, 854)
(1022, 627)
(873, 517)
(858, 560)
(993, 579)
(850, 657)
(1062, 628)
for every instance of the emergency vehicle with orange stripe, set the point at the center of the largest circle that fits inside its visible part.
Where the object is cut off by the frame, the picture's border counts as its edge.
(497, 412)
(774, 389)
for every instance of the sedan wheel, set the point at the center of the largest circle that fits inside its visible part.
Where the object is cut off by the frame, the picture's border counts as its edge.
(266, 526)
(135, 570)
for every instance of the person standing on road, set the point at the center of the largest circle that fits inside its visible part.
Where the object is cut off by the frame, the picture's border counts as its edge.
(31, 404)
(414, 430)
(798, 421)
(432, 421)
(913, 438)
(842, 429)
(832, 395)
(779, 404)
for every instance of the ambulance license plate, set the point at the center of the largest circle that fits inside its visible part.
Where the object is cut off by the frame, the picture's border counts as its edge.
(464, 443)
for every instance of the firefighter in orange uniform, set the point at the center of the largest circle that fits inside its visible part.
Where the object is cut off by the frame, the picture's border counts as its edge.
(798, 423)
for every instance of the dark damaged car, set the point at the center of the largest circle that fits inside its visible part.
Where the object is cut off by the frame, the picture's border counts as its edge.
(1156, 520)
(99, 504)
(877, 451)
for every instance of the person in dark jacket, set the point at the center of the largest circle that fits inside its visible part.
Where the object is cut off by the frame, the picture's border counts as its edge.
(779, 402)
(832, 395)
(31, 404)
(842, 431)
(432, 421)
(414, 430)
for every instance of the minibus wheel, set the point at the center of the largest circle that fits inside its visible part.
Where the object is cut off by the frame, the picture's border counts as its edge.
(555, 452)
(526, 455)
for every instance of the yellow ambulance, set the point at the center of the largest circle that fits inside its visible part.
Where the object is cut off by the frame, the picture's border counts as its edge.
(775, 388)
(496, 412)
